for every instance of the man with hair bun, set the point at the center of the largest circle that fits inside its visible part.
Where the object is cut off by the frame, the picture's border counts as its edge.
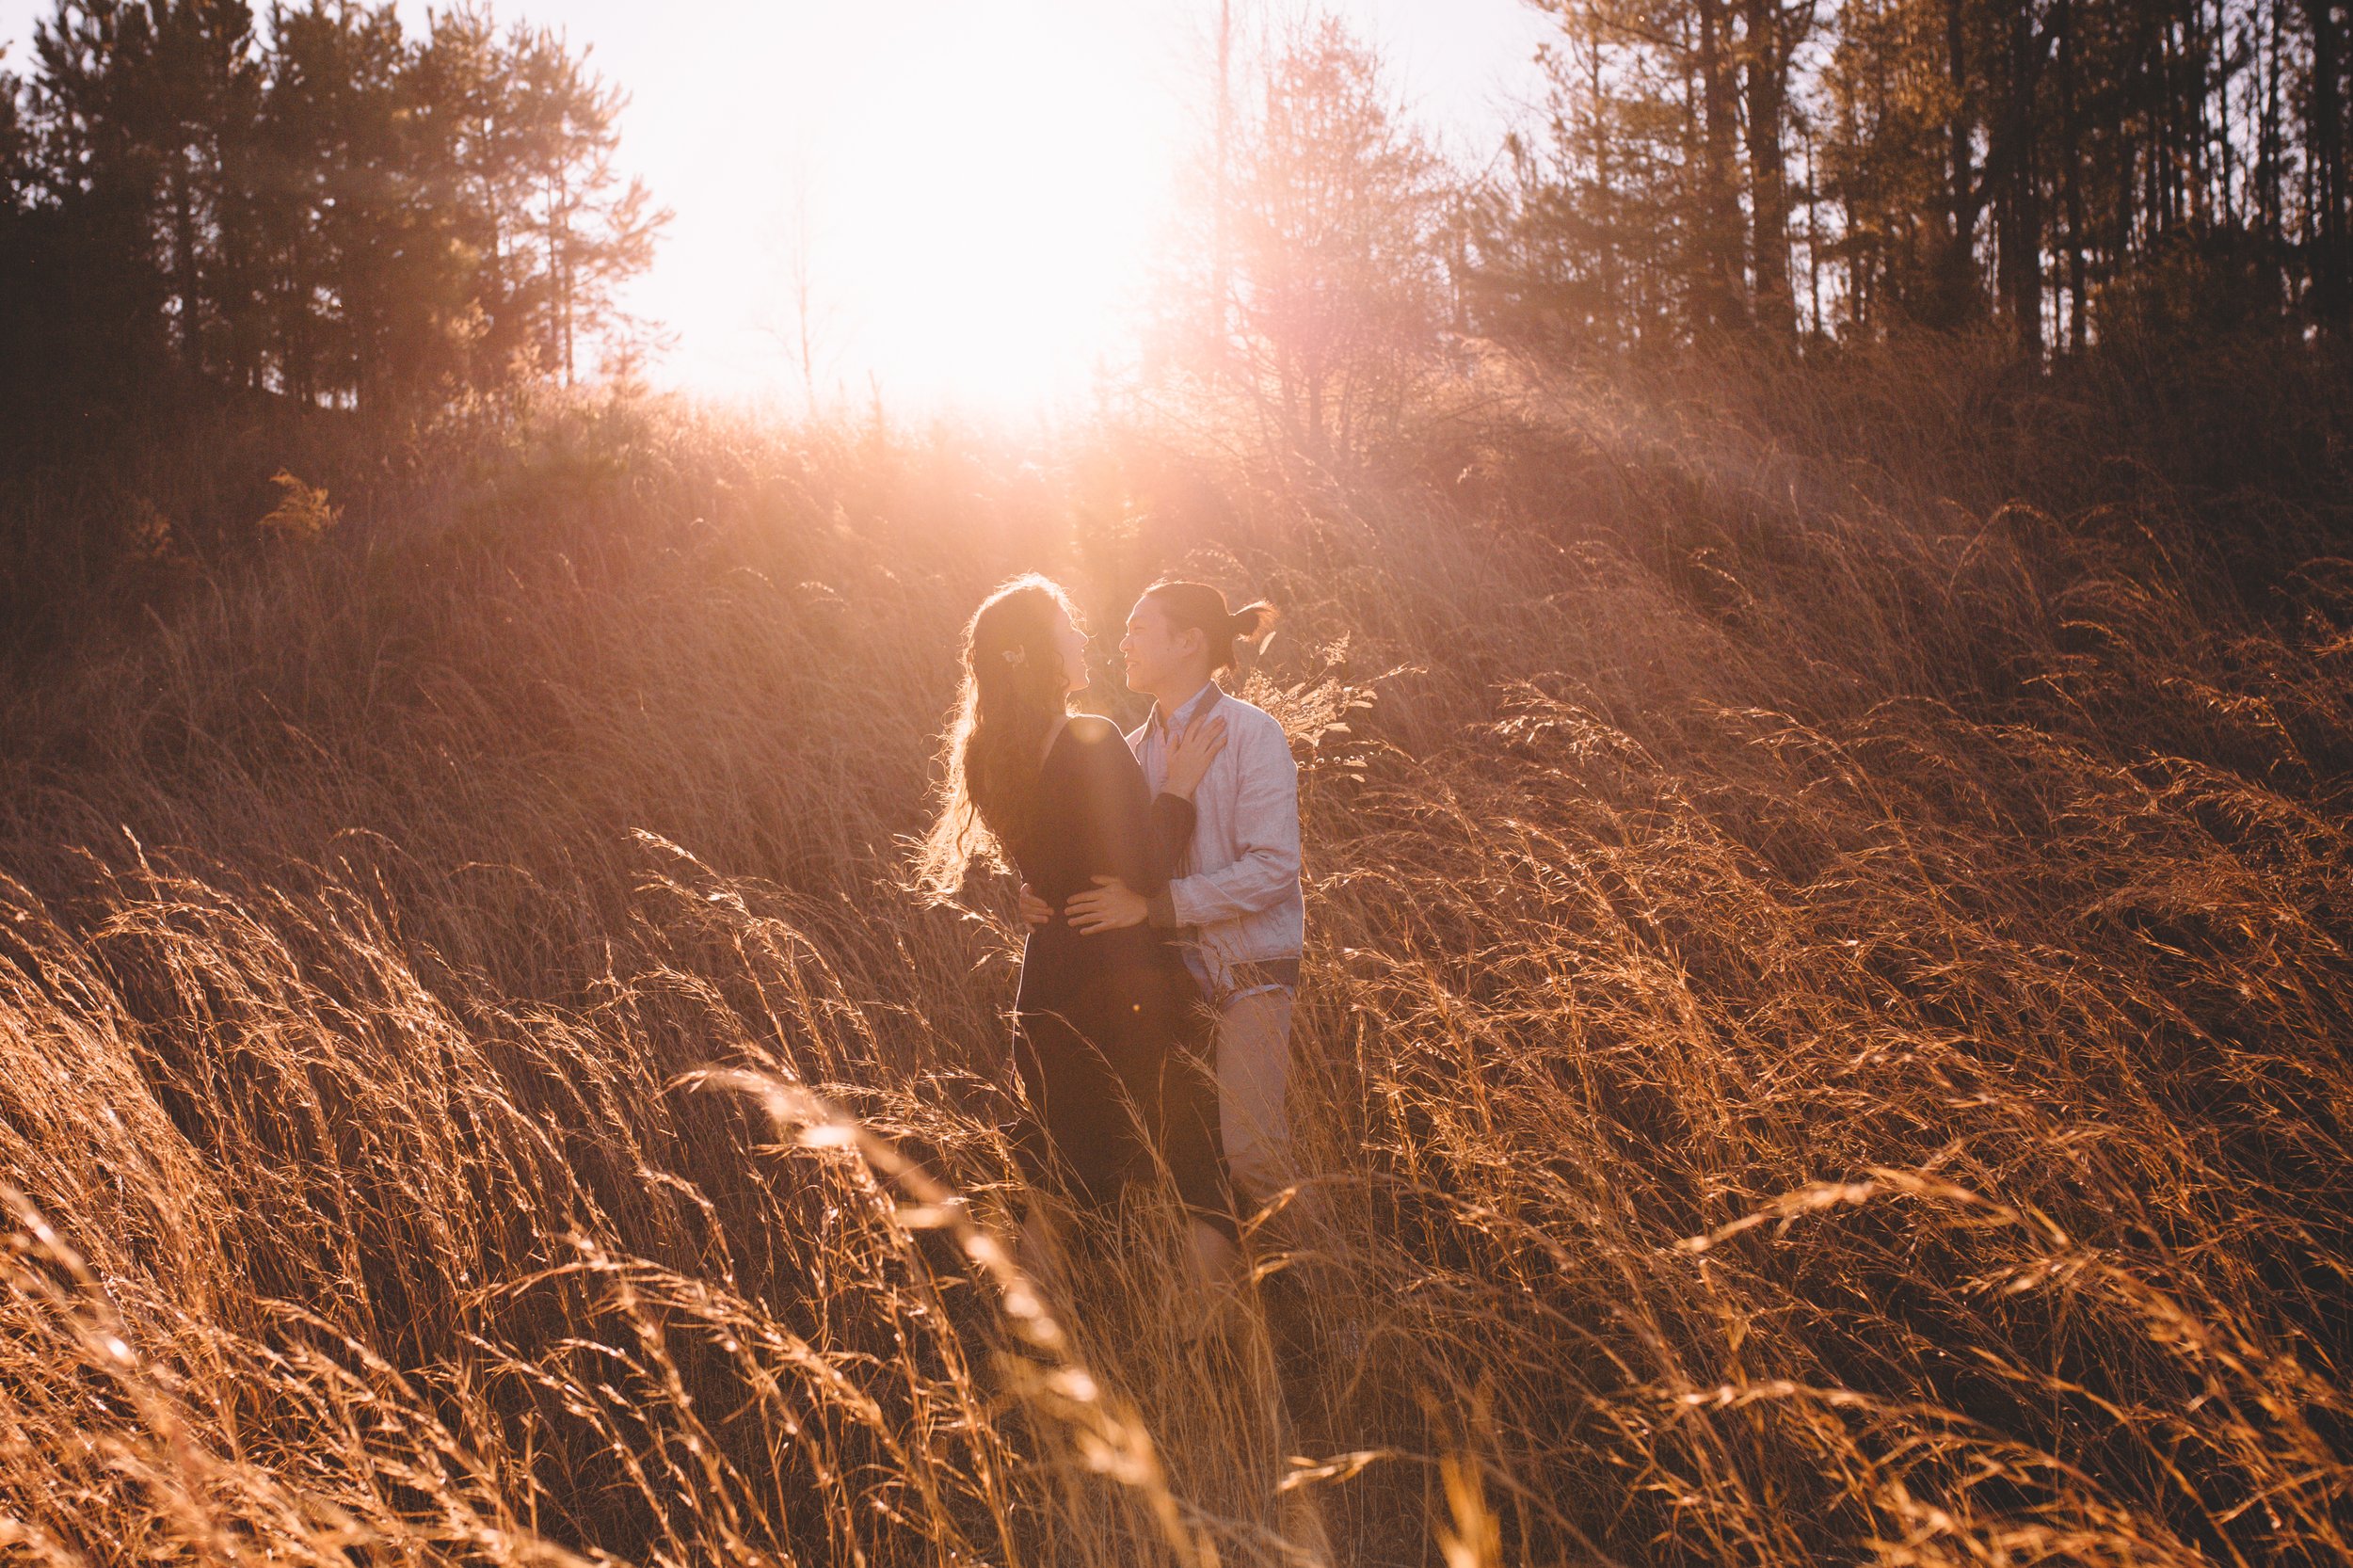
(1235, 901)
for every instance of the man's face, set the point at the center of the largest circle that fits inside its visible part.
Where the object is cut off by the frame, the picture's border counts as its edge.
(1158, 655)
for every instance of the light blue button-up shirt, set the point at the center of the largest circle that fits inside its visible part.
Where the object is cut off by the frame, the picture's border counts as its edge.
(1240, 896)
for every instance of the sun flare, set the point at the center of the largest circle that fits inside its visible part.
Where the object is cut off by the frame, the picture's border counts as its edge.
(964, 198)
(1004, 202)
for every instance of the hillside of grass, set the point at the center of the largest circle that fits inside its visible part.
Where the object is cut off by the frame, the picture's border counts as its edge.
(1825, 1034)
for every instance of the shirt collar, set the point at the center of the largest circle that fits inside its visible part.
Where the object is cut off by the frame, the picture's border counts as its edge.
(1194, 707)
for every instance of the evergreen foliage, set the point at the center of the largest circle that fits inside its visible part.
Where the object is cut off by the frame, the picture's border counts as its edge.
(310, 204)
(2068, 170)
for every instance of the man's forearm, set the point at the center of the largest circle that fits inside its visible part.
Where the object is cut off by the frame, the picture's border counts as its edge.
(1258, 880)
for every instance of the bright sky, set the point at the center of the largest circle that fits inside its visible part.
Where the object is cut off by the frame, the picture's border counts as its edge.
(983, 179)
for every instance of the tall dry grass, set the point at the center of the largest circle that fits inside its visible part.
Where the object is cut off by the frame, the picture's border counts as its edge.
(1825, 1034)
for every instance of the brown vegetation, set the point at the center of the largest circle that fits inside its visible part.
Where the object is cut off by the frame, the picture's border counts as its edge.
(1826, 1023)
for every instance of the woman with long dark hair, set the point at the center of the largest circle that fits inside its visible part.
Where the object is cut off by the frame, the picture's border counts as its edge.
(1109, 1024)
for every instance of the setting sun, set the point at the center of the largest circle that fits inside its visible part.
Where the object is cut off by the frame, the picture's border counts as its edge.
(984, 211)
(968, 194)
(974, 194)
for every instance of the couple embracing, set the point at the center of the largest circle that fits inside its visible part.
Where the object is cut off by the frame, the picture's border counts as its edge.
(1160, 883)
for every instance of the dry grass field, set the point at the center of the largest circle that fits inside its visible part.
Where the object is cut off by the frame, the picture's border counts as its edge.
(1826, 1035)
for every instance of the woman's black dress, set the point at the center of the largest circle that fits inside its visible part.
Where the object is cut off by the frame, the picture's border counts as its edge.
(1115, 1014)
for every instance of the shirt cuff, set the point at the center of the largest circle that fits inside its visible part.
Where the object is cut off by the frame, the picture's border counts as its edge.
(1161, 909)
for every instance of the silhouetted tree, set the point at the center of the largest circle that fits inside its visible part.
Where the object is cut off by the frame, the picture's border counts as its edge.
(592, 230)
(1323, 289)
(369, 289)
(2072, 169)
(319, 209)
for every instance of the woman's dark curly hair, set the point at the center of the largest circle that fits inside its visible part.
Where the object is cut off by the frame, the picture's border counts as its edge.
(1015, 692)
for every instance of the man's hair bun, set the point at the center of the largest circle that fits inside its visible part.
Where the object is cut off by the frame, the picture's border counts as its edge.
(1199, 607)
(1254, 620)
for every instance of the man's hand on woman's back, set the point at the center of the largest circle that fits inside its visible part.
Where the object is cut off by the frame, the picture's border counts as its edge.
(1112, 906)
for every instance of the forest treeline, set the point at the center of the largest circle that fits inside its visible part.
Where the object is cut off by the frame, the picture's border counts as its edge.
(232, 214)
(2064, 168)
(312, 202)
(1787, 175)
(309, 204)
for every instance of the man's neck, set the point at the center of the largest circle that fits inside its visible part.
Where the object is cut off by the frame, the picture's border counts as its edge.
(1168, 707)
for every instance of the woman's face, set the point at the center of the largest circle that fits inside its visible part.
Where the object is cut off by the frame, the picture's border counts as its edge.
(1073, 646)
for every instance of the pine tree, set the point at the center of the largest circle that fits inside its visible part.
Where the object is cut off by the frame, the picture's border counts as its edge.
(1319, 289)
(320, 210)
(589, 229)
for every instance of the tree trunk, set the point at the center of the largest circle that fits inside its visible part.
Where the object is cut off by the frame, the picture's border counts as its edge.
(2019, 215)
(1613, 293)
(1768, 63)
(2267, 140)
(2325, 145)
(2070, 154)
(1721, 282)
(183, 264)
(1956, 274)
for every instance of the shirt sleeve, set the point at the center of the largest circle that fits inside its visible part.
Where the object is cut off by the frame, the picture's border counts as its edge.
(1173, 820)
(1266, 827)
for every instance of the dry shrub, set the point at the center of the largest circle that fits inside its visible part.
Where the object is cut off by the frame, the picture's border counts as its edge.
(1824, 1035)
